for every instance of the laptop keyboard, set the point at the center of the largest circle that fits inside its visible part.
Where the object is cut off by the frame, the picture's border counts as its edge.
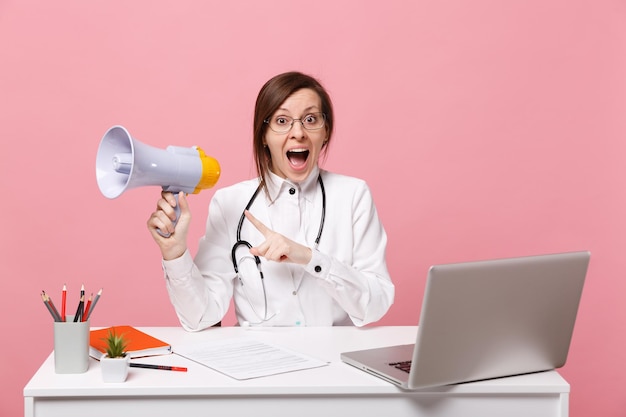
(403, 366)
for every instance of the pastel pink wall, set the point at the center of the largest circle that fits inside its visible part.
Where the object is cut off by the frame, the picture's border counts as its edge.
(484, 128)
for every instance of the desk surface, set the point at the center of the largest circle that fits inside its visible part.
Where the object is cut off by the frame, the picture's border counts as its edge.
(326, 343)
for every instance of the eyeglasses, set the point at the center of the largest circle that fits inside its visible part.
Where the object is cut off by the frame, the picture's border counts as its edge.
(283, 124)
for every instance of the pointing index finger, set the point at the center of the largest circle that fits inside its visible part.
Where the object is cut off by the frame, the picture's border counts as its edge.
(256, 223)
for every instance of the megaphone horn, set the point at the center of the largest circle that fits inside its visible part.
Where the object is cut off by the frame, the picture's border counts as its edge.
(123, 163)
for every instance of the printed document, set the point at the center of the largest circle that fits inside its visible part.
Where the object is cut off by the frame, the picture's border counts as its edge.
(246, 358)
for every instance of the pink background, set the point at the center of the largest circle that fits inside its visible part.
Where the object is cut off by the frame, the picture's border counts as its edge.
(484, 128)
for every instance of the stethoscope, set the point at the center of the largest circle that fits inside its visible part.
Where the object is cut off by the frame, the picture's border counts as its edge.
(257, 260)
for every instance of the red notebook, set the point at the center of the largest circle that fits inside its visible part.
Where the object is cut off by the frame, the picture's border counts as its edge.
(139, 343)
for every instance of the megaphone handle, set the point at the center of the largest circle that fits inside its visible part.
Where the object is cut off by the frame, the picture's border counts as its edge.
(177, 211)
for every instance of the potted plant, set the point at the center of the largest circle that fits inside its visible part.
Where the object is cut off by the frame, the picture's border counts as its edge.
(115, 362)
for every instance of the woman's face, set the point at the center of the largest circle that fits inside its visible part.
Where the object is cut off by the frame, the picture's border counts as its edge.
(295, 153)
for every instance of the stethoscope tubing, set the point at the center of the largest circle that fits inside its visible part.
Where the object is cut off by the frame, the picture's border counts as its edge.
(257, 260)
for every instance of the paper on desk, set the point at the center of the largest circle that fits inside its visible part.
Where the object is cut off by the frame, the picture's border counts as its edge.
(246, 358)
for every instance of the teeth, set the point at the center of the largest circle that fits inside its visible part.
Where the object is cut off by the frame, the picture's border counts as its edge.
(298, 157)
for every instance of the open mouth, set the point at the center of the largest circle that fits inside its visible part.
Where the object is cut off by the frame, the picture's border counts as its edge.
(297, 157)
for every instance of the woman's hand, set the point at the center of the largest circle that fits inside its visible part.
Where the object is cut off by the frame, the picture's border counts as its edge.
(163, 219)
(277, 247)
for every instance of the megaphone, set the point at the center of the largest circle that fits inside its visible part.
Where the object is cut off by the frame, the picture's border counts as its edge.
(123, 163)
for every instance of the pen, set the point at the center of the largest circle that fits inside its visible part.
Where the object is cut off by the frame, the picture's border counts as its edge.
(161, 367)
(63, 302)
(93, 305)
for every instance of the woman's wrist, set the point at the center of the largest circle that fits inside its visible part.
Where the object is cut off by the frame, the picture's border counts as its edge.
(172, 253)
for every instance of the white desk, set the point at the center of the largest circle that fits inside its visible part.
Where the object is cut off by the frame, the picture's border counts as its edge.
(334, 390)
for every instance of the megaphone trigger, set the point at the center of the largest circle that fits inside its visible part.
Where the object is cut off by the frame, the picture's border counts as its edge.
(123, 163)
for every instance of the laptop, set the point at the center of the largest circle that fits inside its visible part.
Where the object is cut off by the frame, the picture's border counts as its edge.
(486, 319)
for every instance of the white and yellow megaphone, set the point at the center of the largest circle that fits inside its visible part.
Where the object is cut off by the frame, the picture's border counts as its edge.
(123, 163)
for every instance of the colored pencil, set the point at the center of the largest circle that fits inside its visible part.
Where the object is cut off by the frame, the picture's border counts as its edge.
(49, 307)
(93, 304)
(63, 302)
(85, 315)
(79, 309)
(54, 309)
(82, 297)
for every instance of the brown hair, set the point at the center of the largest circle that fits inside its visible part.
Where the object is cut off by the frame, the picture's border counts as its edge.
(271, 96)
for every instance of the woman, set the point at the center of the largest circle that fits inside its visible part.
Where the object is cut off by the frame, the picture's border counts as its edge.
(275, 221)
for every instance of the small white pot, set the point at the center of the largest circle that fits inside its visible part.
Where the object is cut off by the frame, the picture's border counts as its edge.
(114, 369)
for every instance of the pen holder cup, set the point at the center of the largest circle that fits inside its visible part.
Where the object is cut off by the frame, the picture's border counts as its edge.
(71, 346)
